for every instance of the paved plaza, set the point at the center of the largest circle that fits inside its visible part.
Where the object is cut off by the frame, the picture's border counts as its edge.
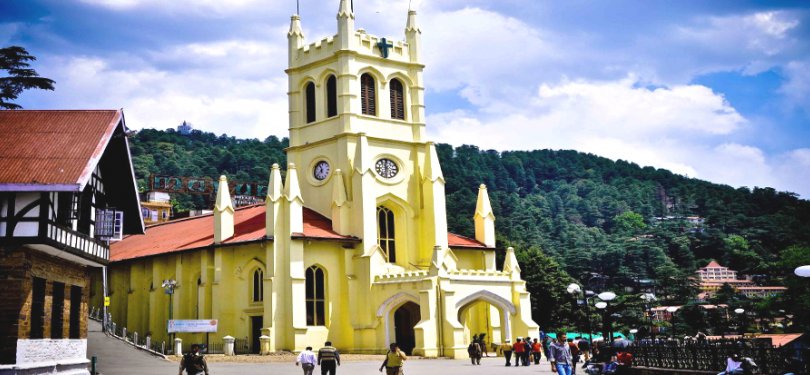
(118, 358)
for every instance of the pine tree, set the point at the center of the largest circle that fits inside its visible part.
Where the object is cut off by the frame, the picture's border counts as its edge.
(21, 77)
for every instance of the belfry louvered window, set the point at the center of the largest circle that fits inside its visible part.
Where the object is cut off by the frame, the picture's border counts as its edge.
(385, 233)
(258, 285)
(310, 102)
(331, 96)
(368, 95)
(397, 100)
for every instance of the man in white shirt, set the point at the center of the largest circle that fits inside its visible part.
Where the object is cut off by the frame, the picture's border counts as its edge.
(307, 360)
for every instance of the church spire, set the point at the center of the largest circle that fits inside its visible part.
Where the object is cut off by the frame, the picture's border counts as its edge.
(292, 190)
(484, 218)
(345, 18)
(413, 36)
(273, 201)
(295, 38)
(223, 212)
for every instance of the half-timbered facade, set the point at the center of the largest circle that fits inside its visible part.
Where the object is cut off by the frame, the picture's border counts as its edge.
(67, 188)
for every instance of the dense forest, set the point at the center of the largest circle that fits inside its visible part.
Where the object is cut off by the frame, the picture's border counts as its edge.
(569, 215)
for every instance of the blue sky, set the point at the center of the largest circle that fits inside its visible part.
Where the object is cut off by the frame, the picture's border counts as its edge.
(717, 90)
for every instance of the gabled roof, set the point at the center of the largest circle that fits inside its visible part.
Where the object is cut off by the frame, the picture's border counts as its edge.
(198, 232)
(58, 150)
(713, 264)
(457, 240)
(52, 150)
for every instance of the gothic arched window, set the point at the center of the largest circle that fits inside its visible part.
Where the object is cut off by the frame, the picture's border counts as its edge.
(310, 102)
(331, 96)
(368, 94)
(385, 233)
(258, 285)
(397, 100)
(316, 296)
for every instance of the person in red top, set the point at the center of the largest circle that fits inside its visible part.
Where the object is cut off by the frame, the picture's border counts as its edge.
(625, 360)
(537, 348)
(519, 348)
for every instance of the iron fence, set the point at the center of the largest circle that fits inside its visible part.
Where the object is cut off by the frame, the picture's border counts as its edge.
(711, 356)
(241, 346)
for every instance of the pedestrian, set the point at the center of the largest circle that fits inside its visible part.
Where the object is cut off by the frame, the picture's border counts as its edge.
(194, 362)
(517, 349)
(574, 355)
(527, 344)
(506, 348)
(546, 345)
(733, 365)
(474, 350)
(307, 360)
(394, 360)
(537, 348)
(560, 355)
(584, 348)
(483, 343)
(328, 359)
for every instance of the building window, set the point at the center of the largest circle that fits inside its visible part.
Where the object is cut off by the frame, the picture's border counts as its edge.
(57, 310)
(368, 95)
(310, 102)
(385, 233)
(397, 100)
(37, 308)
(331, 96)
(75, 311)
(316, 296)
(258, 285)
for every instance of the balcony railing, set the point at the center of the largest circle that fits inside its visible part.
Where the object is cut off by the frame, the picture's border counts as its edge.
(79, 243)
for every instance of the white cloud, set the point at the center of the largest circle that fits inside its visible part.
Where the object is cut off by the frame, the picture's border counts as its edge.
(194, 6)
(681, 128)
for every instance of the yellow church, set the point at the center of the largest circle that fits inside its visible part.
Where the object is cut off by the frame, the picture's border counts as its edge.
(351, 245)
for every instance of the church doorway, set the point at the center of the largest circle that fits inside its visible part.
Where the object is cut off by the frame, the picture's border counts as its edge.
(405, 319)
(482, 318)
(256, 323)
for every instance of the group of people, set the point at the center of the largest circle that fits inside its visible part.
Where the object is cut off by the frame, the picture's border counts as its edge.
(329, 358)
(524, 350)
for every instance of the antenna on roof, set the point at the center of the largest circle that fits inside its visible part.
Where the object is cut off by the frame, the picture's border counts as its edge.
(297, 8)
(409, 4)
(352, 3)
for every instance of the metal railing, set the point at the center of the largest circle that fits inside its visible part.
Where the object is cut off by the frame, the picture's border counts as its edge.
(712, 355)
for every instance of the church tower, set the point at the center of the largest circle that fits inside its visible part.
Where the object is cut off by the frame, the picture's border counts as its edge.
(357, 137)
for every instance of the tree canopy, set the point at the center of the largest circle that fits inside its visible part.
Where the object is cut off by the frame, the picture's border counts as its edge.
(20, 76)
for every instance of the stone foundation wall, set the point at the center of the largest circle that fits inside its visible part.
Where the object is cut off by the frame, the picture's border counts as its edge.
(18, 267)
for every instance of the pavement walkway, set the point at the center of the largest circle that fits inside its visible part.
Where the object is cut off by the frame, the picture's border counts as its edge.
(118, 358)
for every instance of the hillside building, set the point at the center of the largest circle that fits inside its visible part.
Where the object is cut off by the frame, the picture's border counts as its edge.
(67, 188)
(713, 276)
(352, 246)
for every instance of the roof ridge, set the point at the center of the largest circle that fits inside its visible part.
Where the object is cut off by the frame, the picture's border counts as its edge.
(184, 219)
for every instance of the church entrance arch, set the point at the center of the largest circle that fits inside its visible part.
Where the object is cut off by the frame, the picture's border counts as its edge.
(405, 319)
(486, 313)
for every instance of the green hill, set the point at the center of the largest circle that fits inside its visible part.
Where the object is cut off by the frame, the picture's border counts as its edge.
(584, 212)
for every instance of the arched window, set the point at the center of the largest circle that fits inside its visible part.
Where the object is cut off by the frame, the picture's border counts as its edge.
(310, 102)
(316, 296)
(397, 100)
(258, 285)
(385, 232)
(368, 94)
(331, 96)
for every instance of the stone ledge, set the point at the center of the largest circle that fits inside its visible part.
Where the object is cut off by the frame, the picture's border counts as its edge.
(637, 370)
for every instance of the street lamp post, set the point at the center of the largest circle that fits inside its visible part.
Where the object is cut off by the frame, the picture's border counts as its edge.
(607, 297)
(649, 298)
(672, 310)
(168, 288)
(574, 289)
(741, 318)
(802, 271)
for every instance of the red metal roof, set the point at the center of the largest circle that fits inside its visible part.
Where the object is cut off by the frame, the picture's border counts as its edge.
(197, 232)
(456, 240)
(713, 264)
(53, 148)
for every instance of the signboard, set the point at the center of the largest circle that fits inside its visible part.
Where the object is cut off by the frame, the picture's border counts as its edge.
(204, 185)
(106, 301)
(193, 326)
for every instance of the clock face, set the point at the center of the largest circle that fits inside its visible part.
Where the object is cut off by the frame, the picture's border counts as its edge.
(386, 168)
(321, 170)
